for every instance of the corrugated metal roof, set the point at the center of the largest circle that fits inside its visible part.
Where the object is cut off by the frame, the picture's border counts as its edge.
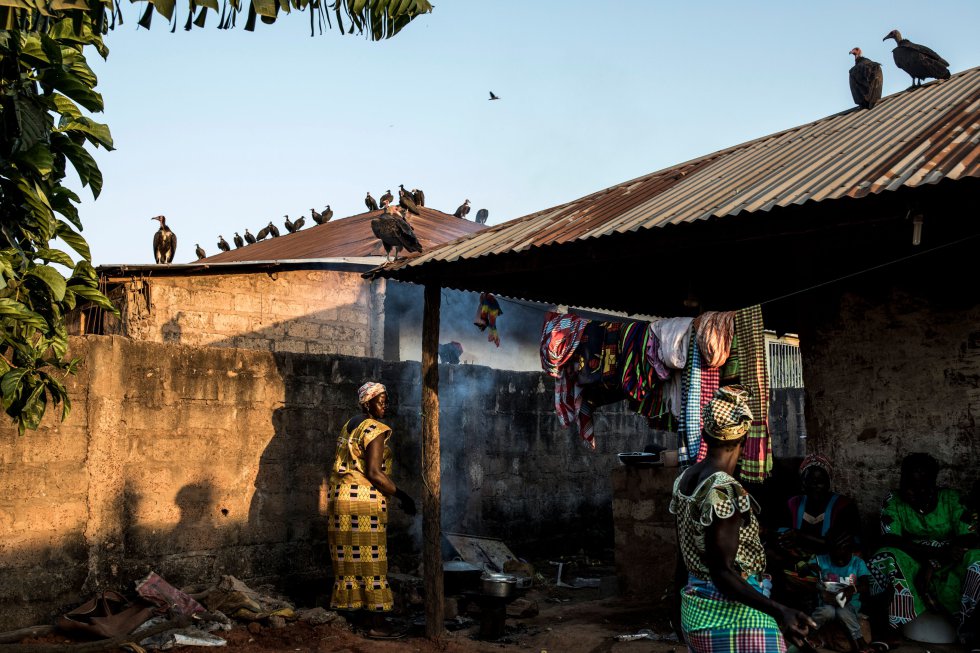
(347, 237)
(910, 139)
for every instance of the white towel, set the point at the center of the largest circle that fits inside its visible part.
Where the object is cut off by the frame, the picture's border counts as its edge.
(674, 334)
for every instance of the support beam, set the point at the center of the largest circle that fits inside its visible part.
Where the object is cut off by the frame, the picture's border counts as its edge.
(431, 467)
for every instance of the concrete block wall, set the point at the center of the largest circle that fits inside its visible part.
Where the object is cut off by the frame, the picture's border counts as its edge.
(200, 461)
(646, 532)
(296, 311)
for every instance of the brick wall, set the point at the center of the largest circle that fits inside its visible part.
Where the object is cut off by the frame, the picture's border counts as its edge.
(297, 311)
(201, 461)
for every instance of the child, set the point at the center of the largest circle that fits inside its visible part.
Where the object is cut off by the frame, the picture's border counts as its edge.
(843, 567)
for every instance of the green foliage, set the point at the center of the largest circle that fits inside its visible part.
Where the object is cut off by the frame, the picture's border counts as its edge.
(44, 79)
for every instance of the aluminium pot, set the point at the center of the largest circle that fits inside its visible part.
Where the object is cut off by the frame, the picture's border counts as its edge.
(459, 576)
(499, 585)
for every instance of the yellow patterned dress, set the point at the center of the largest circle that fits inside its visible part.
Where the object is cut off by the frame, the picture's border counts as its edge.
(357, 526)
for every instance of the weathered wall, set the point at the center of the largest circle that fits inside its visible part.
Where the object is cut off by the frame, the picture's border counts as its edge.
(892, 365)
(297, 311)
(645, 531)
(198, 461)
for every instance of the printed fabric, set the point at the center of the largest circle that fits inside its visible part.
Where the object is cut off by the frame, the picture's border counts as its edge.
(487, 313)
(560, 339)
(755, 464)
(715, 330)
(714, 623)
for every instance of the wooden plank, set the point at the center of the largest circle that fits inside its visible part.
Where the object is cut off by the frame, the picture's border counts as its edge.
(431, 471)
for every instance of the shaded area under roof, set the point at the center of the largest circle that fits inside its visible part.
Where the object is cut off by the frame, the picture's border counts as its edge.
(347, 237)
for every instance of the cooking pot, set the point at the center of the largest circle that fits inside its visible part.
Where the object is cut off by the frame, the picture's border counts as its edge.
(459, 576)
(500, 585)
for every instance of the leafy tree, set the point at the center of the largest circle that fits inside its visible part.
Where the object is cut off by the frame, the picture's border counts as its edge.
(46, 88)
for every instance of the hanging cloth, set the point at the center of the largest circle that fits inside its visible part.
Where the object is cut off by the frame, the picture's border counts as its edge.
(560, 339)
(486, 316)
(653, 354)
(689, 430)
(709, 385)
(756, 461)
(674, 334)
(715, 330)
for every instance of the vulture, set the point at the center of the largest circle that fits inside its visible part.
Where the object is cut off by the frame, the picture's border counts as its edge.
(273, 230)
(482, 215)
(299, 224)
(200, 252)
(370, 202)
(387, 198)
(239, 243)
(494, 97)
(223, 244)
(419, 196)
(263, 232)
(449, 352)
(406, 201)
(164, 242)
(290, 227)
(463, 210)
(321, 218)
(394, 233)
(917, 60)
(249, 238)
(865, 82)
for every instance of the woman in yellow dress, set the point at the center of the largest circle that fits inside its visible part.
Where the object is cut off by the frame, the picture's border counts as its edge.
(357, 511)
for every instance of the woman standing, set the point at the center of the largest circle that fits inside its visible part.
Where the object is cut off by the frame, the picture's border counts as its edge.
(725, 604)
(357, 511)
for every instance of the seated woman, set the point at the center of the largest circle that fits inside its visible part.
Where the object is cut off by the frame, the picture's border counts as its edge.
(725, 604)
(816, 518)
(931, 552)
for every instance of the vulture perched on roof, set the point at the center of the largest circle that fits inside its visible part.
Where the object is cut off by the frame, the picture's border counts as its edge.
(200, 252)
(321, 218)
(865, 78)
(290, 227)
(370, 202)
(164, 242)
(263, 233)
(249, 238)
(394, 233)
(239, 242)
(481, 216)
(406, 201)
(463, 210)
(387, 198)
(299, 224)
(223, 244)
(917, 60)
(419, 196)
(273, 230)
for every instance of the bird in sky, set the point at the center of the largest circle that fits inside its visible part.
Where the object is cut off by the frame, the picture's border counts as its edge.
(865, 79)
(494, 97)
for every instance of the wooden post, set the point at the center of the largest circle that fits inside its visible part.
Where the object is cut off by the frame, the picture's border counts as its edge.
(431, 470)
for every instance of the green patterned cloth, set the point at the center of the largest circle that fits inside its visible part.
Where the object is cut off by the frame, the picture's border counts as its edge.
(756, 461)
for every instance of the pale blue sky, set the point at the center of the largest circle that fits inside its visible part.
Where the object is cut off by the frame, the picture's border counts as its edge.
(223, 130)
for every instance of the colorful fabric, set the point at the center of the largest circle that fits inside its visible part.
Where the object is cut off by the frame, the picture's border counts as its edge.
(674, 335)
(728, 415)
(715, 330)
(709, 386)
(653, 354)
(840, 515)
(487, 313)
(559, 340)
(847, 574)
(956, 587)
(816, 460)
(688, 431)
(719, 496)
(357, 521)
(713, 622)
(369, 391)
(638, 378)
(755, 464)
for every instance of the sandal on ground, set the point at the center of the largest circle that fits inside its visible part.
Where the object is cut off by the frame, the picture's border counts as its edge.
(385, 634)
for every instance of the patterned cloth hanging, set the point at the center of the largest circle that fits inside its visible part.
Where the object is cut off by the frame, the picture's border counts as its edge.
(560, 339)
(755, 464)
(486, 316)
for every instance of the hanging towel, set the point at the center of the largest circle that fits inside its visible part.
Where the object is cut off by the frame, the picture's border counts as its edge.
(653, 354)
(560, 339)
(689, 431)
(486, 316)
(709, 385)
(715, 330)
(756, 461)
(674, 334)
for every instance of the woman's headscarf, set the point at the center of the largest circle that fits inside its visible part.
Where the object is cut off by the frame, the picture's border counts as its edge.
(727, 416)
(816, 460)
(369, 391)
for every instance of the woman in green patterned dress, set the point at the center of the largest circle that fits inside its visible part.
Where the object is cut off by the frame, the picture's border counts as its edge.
(931, 552)
(357, 512)
(725, 605)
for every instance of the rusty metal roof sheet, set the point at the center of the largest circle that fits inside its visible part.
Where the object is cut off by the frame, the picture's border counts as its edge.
(910, 139)
(347, 237)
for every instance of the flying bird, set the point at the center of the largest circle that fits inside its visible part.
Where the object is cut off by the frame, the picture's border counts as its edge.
(482, 215)
(164, 242)
(494, 97)
(249, 238)
(462, 210)
(865, 77)
(223, 244)
(387, 198)
(200, 252)
(917, 60)
(394, 232)
(239, 243)
(370, 202)
(419, 196)
(407, 201)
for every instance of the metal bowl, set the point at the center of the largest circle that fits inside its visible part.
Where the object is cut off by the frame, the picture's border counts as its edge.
(500, 585)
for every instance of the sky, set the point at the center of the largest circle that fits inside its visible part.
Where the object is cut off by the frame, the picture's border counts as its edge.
(223, 130)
